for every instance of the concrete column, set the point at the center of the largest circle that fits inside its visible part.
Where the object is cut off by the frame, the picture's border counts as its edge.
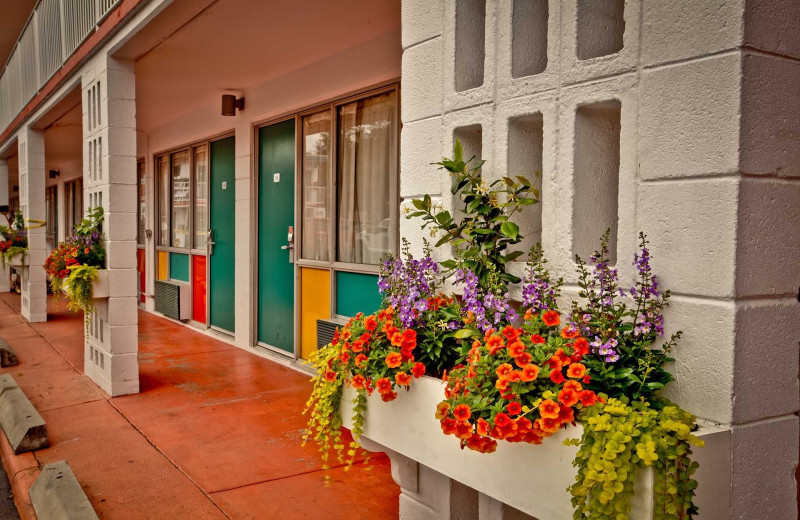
(5, 281)
(245, 327)
(109, 177)
(32, 203)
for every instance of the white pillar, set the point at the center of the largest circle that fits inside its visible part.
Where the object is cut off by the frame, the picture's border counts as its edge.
(245, 326)
(109, 177)
(32, 203)
(5, 282)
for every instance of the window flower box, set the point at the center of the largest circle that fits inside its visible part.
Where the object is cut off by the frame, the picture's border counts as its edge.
(19, 260)
(530, 478)
(99, 286)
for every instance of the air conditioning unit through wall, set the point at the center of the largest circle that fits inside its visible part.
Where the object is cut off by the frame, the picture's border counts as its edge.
(172, 299)
(326, 329)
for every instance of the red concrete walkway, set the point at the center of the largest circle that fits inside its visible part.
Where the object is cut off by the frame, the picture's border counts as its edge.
(215, 432)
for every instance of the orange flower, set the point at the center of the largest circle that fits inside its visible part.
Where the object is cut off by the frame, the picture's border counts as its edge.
(523, 359)
(581, 346)
(383, 385)
(502, 420)
(573, 385)
(514, 376)
(441, 409)
(409, 339)
(329, 376)
(516, 349)
(370, 323)
(361, 359)
(358, 345)
(501, 384)
(397, 339)
(463, 430)
(568, 397)
(551, 318)
(535, 338)
(394, 360)
(462, 412)
(570, 331)
(495, 344)
(514, 408)
(529, 373)
(483, 427)
(359, 381)
(566, 415)
(503, 370)
(588, 398)
(388, 396)
(402, 379)
(549, 425)
(576, 370)
(418, 370)
(562, 357)
(548, 409)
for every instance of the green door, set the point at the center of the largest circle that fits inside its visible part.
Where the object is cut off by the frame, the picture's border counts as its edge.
(221, 298)
(276, 154)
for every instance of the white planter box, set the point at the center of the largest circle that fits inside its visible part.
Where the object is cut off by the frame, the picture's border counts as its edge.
(530, 478)
(18, 260)
(99, 286)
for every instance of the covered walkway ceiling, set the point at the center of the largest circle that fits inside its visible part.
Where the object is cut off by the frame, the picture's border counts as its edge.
(193, 51)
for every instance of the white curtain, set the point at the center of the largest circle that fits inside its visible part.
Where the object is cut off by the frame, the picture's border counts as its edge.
(316, 159)
(181, 202)
(367, 166)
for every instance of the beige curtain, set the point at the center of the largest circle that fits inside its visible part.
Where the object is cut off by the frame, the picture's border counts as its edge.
(367, 164)
(316, 159)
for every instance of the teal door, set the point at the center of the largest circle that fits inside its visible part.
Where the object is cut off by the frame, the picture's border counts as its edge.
(276, 156)
(221, 298)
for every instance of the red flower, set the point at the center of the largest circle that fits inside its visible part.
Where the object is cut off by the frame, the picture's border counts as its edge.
(402, 379)
(409, 339)
(557, 377)
(588, 398)
(581, 346)
(514, 408)
(503, 370)
(441, 409)
(370, 323)
(551, 318)
(418, 370)
(573, 385)
(329, 376)
(384, 385)
(388, 396)
(483, 427)
(566, 415)
(361, 359)
(523, 359)
(397, 339)
(516, 349)
(358, 345)
(548, 409)
(394, 360)
(510, 333)
(568, 397)
(462, 412)
(359, 381)
(529, 373)
(502, 420)
(495, 344)
(535, 338)
(570, 332)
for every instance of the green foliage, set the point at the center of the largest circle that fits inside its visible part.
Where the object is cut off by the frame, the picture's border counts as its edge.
(15, 238)
(78, 286)
(325, 421)
(621, 438)
(11, 252)
(482, 237)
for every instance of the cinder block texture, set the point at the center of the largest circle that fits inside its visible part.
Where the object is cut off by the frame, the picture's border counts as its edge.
(681, 29)
(772, 26)
(422, 81)
(422, 20)
(7, 356)
(689, 118)
(24, 427)
(57, 495)
(764, 458)
(421, 145)
(770, 115)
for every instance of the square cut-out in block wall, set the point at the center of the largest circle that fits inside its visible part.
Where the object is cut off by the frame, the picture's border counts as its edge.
(596, 177)
(470, 40)
(529, 20)
(601, 27)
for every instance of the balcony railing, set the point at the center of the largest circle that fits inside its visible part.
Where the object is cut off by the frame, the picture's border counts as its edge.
(53, 32)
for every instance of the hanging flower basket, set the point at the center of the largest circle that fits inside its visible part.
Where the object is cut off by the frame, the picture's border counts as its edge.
(533, 479)
(19, 260)
(99, 286)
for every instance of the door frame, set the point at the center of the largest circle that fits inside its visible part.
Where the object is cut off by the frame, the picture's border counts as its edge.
(228, 333)
(254, 249)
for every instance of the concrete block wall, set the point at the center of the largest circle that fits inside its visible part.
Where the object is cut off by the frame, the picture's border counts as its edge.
(677, 118)
(110, 181)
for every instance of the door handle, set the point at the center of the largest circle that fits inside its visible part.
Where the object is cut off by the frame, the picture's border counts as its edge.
(210, 241)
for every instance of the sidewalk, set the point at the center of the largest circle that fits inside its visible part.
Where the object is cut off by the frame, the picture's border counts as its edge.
(215, 432)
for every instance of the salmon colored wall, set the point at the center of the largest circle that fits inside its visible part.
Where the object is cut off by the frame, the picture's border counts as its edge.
(315, 304)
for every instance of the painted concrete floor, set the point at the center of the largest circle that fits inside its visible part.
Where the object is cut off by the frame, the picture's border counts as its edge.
(215, 432)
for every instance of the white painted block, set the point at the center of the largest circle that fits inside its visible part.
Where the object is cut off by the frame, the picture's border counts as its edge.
(768, 244)
(123, 311)
(420, 146)
(770, 115)
(422, 81)
(120, 227)
(121, 254)
(123, 339)
(122, 198)
(772, 26)
(768, 332)
(120, 140)
(764, 463)
(692, 228)
(689, 119)
(421, 20)
(123, 282)
(682, 29)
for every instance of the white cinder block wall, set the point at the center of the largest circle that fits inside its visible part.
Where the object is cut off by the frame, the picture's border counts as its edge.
(698, 103)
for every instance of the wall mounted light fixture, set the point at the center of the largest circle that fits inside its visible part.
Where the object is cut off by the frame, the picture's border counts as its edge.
(230, 103)
(53, 173)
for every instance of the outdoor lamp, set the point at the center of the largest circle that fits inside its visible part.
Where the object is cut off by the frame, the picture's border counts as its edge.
(230, 103)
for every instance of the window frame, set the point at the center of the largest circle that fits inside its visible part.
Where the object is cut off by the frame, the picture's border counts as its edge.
(70, 192)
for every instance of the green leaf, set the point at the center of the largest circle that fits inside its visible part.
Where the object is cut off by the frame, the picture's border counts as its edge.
(510, 257)
(458, 151)
(463, 334)
(509, 229)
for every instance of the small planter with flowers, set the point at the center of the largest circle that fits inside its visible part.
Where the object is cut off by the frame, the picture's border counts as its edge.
(554, 413)
(14, 246)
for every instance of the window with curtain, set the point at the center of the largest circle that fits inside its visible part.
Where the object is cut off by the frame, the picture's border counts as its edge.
(316, 162)
(366, 167)
(51, 222)
(200, 196)
(163, 200)
(73, 200)
(181, 199)
(141, 208)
